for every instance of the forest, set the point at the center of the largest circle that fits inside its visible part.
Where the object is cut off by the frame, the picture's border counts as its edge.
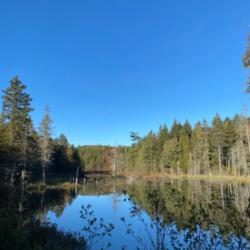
(26, 152)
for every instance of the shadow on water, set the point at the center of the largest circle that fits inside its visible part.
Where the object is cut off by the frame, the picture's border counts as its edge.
(112, 214)
(22, 225)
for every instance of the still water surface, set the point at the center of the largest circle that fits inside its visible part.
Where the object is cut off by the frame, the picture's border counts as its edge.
(170, 214)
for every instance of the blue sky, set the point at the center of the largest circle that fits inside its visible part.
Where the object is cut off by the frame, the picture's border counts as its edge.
(106, 68)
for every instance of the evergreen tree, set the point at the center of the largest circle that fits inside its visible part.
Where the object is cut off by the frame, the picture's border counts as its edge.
(246, 62)
(147, 155)
(132, 155)
(63, 156)
(175, 130)
(76, 163)
(200, 150)
(186, 129)
(169, 157)
(135, 137)
(45, 141)
(17, 124)
(16, 110)
(230, 136)
(62, 141)
(216, 141)
(241, 151)
(162, 137)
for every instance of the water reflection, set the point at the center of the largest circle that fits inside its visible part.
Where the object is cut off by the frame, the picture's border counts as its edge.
(172, 214)
(192, 215)
(164, 215)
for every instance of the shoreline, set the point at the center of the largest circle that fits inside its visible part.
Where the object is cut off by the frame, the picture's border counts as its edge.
(160, 175)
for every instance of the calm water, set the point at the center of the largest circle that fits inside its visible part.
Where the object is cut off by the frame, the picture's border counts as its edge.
(122, 214)
(153, 215)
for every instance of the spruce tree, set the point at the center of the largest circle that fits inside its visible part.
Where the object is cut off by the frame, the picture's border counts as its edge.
(17, 123)
(16, 110)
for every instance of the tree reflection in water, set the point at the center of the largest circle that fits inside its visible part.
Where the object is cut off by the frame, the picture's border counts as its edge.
(184, 218)
(172, 214)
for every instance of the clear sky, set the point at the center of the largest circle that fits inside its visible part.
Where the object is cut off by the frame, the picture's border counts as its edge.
(106, 68)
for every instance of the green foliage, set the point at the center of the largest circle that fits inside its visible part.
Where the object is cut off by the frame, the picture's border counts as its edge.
(246, 62)
(95, 229)
(246, 58)
(16, 111)
(22, 148)
(134, 137)
(222, 148)
(169, 155)
(146, 160)
(65, 158)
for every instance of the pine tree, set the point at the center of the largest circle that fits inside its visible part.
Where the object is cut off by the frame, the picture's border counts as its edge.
(16, 110)
(240, 151)
(200, 150)
(162, 136)
(246, 62)
(230, 136)
(175, 130)
(61, 157)
(147, 155)
(169, 157)
(132, 155)
(16, 119)
(216, 141)
(3, 150)
(45, 141)
(63, 141)
(184, 152)
(185, 146)
(135, 137)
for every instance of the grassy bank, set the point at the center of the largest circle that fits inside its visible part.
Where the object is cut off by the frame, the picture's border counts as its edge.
(162, 175)
(58, 185)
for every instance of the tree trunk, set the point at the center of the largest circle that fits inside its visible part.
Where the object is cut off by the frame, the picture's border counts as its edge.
(219, 158)
(77, 171)
(248, 138)
(44, 174)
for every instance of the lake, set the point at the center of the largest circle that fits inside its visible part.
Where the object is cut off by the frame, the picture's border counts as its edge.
(157, 214)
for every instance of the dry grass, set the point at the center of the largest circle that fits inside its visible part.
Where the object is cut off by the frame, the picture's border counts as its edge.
(62, 185)
(162, 175)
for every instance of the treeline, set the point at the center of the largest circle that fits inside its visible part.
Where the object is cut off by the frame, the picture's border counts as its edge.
(26, 151)
(222, 148)
(218, 149)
